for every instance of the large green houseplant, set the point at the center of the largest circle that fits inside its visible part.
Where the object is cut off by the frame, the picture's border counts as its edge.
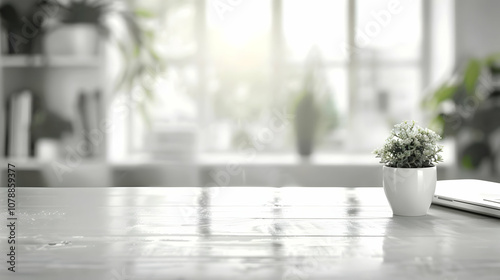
(467, 107)
(410, 155)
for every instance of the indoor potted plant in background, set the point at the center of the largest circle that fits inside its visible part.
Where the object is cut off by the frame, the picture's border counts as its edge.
(76, 29)
(410, 155)
(306, 123)
(466, 107)
(79, 25)
(315, 113)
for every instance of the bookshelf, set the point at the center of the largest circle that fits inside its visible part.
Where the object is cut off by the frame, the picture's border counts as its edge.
(56, 80)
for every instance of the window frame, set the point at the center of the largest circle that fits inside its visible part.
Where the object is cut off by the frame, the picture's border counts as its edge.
(278, 62)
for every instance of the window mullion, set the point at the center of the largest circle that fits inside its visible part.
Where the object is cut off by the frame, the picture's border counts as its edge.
(202, 59)
(425, 49)
(352, 60)
(277, 50)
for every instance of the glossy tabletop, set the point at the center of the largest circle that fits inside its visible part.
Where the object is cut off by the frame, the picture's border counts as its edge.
(240, 233)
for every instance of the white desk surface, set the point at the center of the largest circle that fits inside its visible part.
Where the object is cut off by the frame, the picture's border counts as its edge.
(241, 233)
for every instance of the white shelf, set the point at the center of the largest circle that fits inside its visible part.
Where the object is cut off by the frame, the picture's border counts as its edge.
(21, 61)
(35, 164)
(22, 164)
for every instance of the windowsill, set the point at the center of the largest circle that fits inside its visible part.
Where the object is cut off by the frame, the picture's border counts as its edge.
(287, 159)
(320, 158)
(271, 159)
(220, 159)
(222, 169)
(268, 159)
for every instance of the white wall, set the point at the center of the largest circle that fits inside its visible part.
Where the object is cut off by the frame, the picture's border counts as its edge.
(442, 41)
(477, 28)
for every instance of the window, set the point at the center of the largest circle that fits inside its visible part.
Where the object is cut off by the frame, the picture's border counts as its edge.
(387, 75)
(231, 63)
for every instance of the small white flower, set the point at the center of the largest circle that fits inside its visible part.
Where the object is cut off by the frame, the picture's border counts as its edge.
(411, 146)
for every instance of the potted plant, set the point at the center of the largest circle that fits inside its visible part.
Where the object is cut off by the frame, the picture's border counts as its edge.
(409, 172)
(306, 123)
(75, 29)
(467, 107)
(315, 114)
(78, 26)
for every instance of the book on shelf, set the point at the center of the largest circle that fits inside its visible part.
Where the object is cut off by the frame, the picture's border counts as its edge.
(88, 109)
(19, 122)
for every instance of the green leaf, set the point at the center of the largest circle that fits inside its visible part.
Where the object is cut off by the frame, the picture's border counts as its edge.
(467, 162)
(474, 154)
(143, 13)
(445, 92)
(149, 94)
(137, 51)
(471, 75)
(492, 58)
(150, 34)
(154, 54)
(437, 124)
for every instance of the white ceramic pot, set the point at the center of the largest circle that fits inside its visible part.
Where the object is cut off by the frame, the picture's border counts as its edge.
(409, 190)
(72, 39)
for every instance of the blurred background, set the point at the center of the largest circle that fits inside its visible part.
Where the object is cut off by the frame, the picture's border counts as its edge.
(240, 92)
